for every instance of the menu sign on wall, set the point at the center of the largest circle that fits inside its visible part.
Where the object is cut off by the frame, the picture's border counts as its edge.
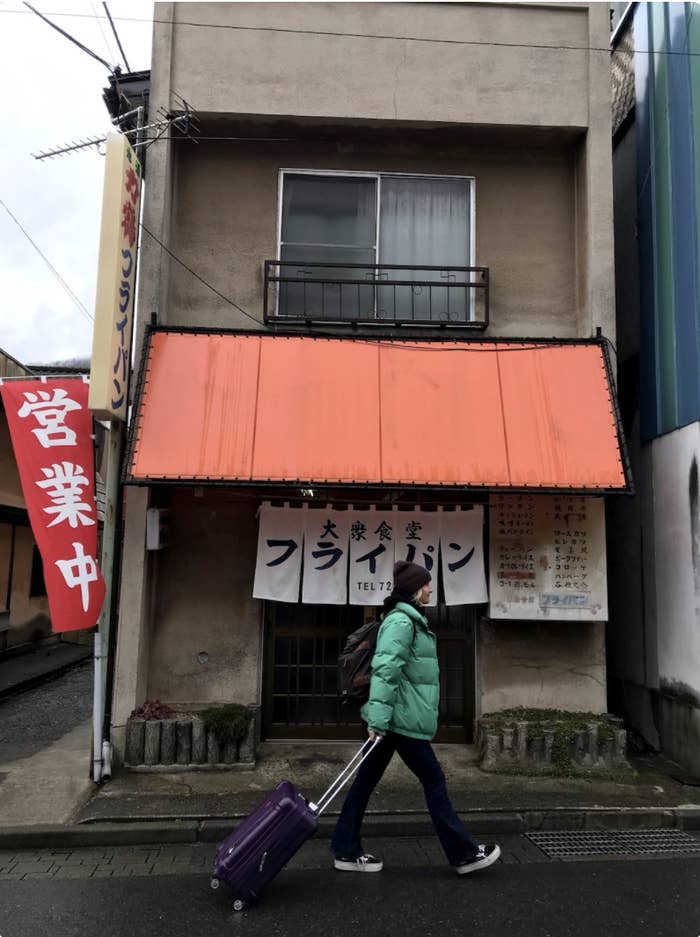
(547, 557)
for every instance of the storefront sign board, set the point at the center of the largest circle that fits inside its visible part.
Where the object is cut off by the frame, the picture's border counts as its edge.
(547, 559)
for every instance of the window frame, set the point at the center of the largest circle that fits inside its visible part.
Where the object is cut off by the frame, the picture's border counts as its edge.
(377, 176)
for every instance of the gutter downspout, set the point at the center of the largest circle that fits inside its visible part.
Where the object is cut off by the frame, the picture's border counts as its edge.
(110, 543)
(97, 712)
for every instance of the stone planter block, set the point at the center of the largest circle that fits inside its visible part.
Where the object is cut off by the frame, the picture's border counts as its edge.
(548, 745)
(167, 741)
(585, 747)
(246, 747)
(508, 735)
(135, 732)
(213, 750)
(199, 742)
(184, 741)
(493, 748)
(230, 753)
(152, 742)
(620, 746)
(591, 755)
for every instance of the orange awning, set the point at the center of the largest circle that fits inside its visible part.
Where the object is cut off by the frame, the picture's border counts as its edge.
(264, 409)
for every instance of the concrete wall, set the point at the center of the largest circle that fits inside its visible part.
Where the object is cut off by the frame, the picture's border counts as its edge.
(558, 665)
(676, 467)
(275, 66)
(203, 603)
(225, 222)
(401, 66)
(351, 60)
(133, 630)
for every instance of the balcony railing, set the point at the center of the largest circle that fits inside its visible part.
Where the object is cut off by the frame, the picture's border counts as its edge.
(365, 294)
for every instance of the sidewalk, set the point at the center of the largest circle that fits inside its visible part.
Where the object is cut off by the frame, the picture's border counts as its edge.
(48, 798)
(52, 802)
(48, 787)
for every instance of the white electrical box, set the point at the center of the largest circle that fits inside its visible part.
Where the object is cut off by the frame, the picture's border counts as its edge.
(156, 528)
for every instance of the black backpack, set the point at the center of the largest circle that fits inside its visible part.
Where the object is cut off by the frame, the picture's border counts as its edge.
(355, 662)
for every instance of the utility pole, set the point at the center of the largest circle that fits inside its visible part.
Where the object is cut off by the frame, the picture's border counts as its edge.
(101, 746)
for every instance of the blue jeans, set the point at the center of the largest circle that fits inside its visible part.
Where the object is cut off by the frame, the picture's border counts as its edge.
(419, 757)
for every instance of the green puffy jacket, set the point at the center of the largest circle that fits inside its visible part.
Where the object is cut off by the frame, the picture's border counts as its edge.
(405, 689)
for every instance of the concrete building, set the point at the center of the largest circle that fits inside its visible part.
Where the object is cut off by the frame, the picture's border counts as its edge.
(424, 143)
(654, 639)
(24, 608)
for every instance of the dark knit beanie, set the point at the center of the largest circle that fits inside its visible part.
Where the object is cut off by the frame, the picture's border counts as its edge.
(409, 577)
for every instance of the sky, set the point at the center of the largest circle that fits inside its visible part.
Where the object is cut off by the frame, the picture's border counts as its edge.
(52, 97)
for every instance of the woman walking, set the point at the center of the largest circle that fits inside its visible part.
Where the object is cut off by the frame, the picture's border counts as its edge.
(403, 710)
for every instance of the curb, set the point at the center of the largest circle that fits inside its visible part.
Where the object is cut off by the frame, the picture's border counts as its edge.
(130, 833)
(45, 677)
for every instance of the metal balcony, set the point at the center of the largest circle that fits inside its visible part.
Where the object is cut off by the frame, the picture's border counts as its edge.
(366, 294)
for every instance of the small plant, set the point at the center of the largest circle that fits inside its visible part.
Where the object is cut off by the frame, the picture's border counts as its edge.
(229, 723)
(153, 709)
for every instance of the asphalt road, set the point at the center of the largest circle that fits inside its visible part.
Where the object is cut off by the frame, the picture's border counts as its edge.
(530, 897)
(35, 718)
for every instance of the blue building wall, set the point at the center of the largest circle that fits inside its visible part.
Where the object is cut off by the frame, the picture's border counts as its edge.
(667, 81)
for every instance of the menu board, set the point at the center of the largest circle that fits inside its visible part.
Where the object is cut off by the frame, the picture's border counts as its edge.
(547, 557)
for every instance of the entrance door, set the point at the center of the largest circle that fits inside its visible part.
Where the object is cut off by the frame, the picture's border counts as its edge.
(302, 644)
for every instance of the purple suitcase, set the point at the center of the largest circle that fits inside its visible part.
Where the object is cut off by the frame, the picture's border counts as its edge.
(252, 855)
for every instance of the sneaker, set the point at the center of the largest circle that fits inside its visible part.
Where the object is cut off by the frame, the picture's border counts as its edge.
(485, 857)
(364, 863)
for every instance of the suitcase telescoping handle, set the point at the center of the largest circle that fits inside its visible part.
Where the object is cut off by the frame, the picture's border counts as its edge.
(344, 776)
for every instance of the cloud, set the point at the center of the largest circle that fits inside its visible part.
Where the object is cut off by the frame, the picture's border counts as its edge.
(54, 97)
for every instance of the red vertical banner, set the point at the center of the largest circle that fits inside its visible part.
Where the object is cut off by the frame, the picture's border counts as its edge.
(51, 430)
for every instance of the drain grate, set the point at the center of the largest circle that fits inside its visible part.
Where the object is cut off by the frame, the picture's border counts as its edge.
(573, 844)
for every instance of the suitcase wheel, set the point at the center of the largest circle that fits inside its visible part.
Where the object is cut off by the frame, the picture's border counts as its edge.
(214, 882)
(239, 905)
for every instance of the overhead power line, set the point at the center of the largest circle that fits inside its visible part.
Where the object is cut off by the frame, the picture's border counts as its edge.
(48, 263)
(116, 35)
(68, 36)
(98, 19)
(377, 36)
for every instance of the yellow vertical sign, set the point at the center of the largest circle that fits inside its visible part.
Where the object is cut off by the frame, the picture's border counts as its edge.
(116, 281)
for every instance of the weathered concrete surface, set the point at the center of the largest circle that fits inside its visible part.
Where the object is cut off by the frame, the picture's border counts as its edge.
(526, 231)
(558, 665)
(49, 786)
(311, 767)
(369, 71)
(207, 629)
(133, 636)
